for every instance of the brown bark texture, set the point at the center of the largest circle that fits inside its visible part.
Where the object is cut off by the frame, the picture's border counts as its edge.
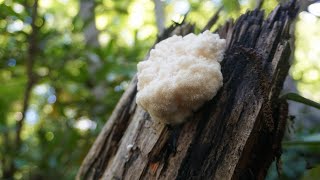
(236, 135)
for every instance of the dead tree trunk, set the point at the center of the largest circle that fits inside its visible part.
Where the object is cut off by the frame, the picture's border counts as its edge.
(236, 135)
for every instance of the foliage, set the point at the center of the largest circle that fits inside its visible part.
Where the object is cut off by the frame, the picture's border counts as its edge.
(64, 115)
(77, 85)
(306, 70)
(301, 157)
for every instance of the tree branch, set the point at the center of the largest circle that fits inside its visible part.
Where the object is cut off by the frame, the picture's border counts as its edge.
(87, 15)
(212, 20)
(10, 170)
(32, 51)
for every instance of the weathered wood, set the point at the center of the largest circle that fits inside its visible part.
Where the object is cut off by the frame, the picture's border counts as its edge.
(235, 135)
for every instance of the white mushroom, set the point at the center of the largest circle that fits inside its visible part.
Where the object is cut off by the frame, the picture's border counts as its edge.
(181, 74)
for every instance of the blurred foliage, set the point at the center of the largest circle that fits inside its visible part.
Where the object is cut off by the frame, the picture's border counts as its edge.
(306, 70)
(78, 85)
(301, 156)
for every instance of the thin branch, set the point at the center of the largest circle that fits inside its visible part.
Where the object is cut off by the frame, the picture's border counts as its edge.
(297, 98)
(32, 41)
(212, 20)
(29, 69)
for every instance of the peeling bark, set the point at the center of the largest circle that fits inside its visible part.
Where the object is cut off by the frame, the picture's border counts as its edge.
(236, 135)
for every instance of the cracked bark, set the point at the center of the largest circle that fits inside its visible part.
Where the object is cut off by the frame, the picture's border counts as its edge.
(236, 135)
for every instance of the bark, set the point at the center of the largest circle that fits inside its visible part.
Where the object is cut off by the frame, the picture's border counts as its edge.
(236, 135)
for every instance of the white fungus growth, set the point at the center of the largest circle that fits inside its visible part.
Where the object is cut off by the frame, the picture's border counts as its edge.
(181, 74)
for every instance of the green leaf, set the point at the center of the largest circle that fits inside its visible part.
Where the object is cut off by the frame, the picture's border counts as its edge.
(8, 11)
(312, 174)
(231, 5)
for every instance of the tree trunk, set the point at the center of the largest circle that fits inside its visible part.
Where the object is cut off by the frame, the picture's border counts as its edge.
(236, 135)
(87, 15)
(159, 14)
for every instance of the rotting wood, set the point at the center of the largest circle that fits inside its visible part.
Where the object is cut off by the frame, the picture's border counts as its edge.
(236, 135)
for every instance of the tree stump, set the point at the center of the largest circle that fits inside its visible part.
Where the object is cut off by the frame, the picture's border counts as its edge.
(236, 135)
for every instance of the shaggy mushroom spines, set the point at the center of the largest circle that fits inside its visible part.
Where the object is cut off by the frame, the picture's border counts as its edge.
(180, 75)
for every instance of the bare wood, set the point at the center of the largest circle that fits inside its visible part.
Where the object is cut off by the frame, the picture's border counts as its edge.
(235, 135)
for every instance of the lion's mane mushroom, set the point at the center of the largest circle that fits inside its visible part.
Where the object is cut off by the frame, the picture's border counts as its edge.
(180, 75)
